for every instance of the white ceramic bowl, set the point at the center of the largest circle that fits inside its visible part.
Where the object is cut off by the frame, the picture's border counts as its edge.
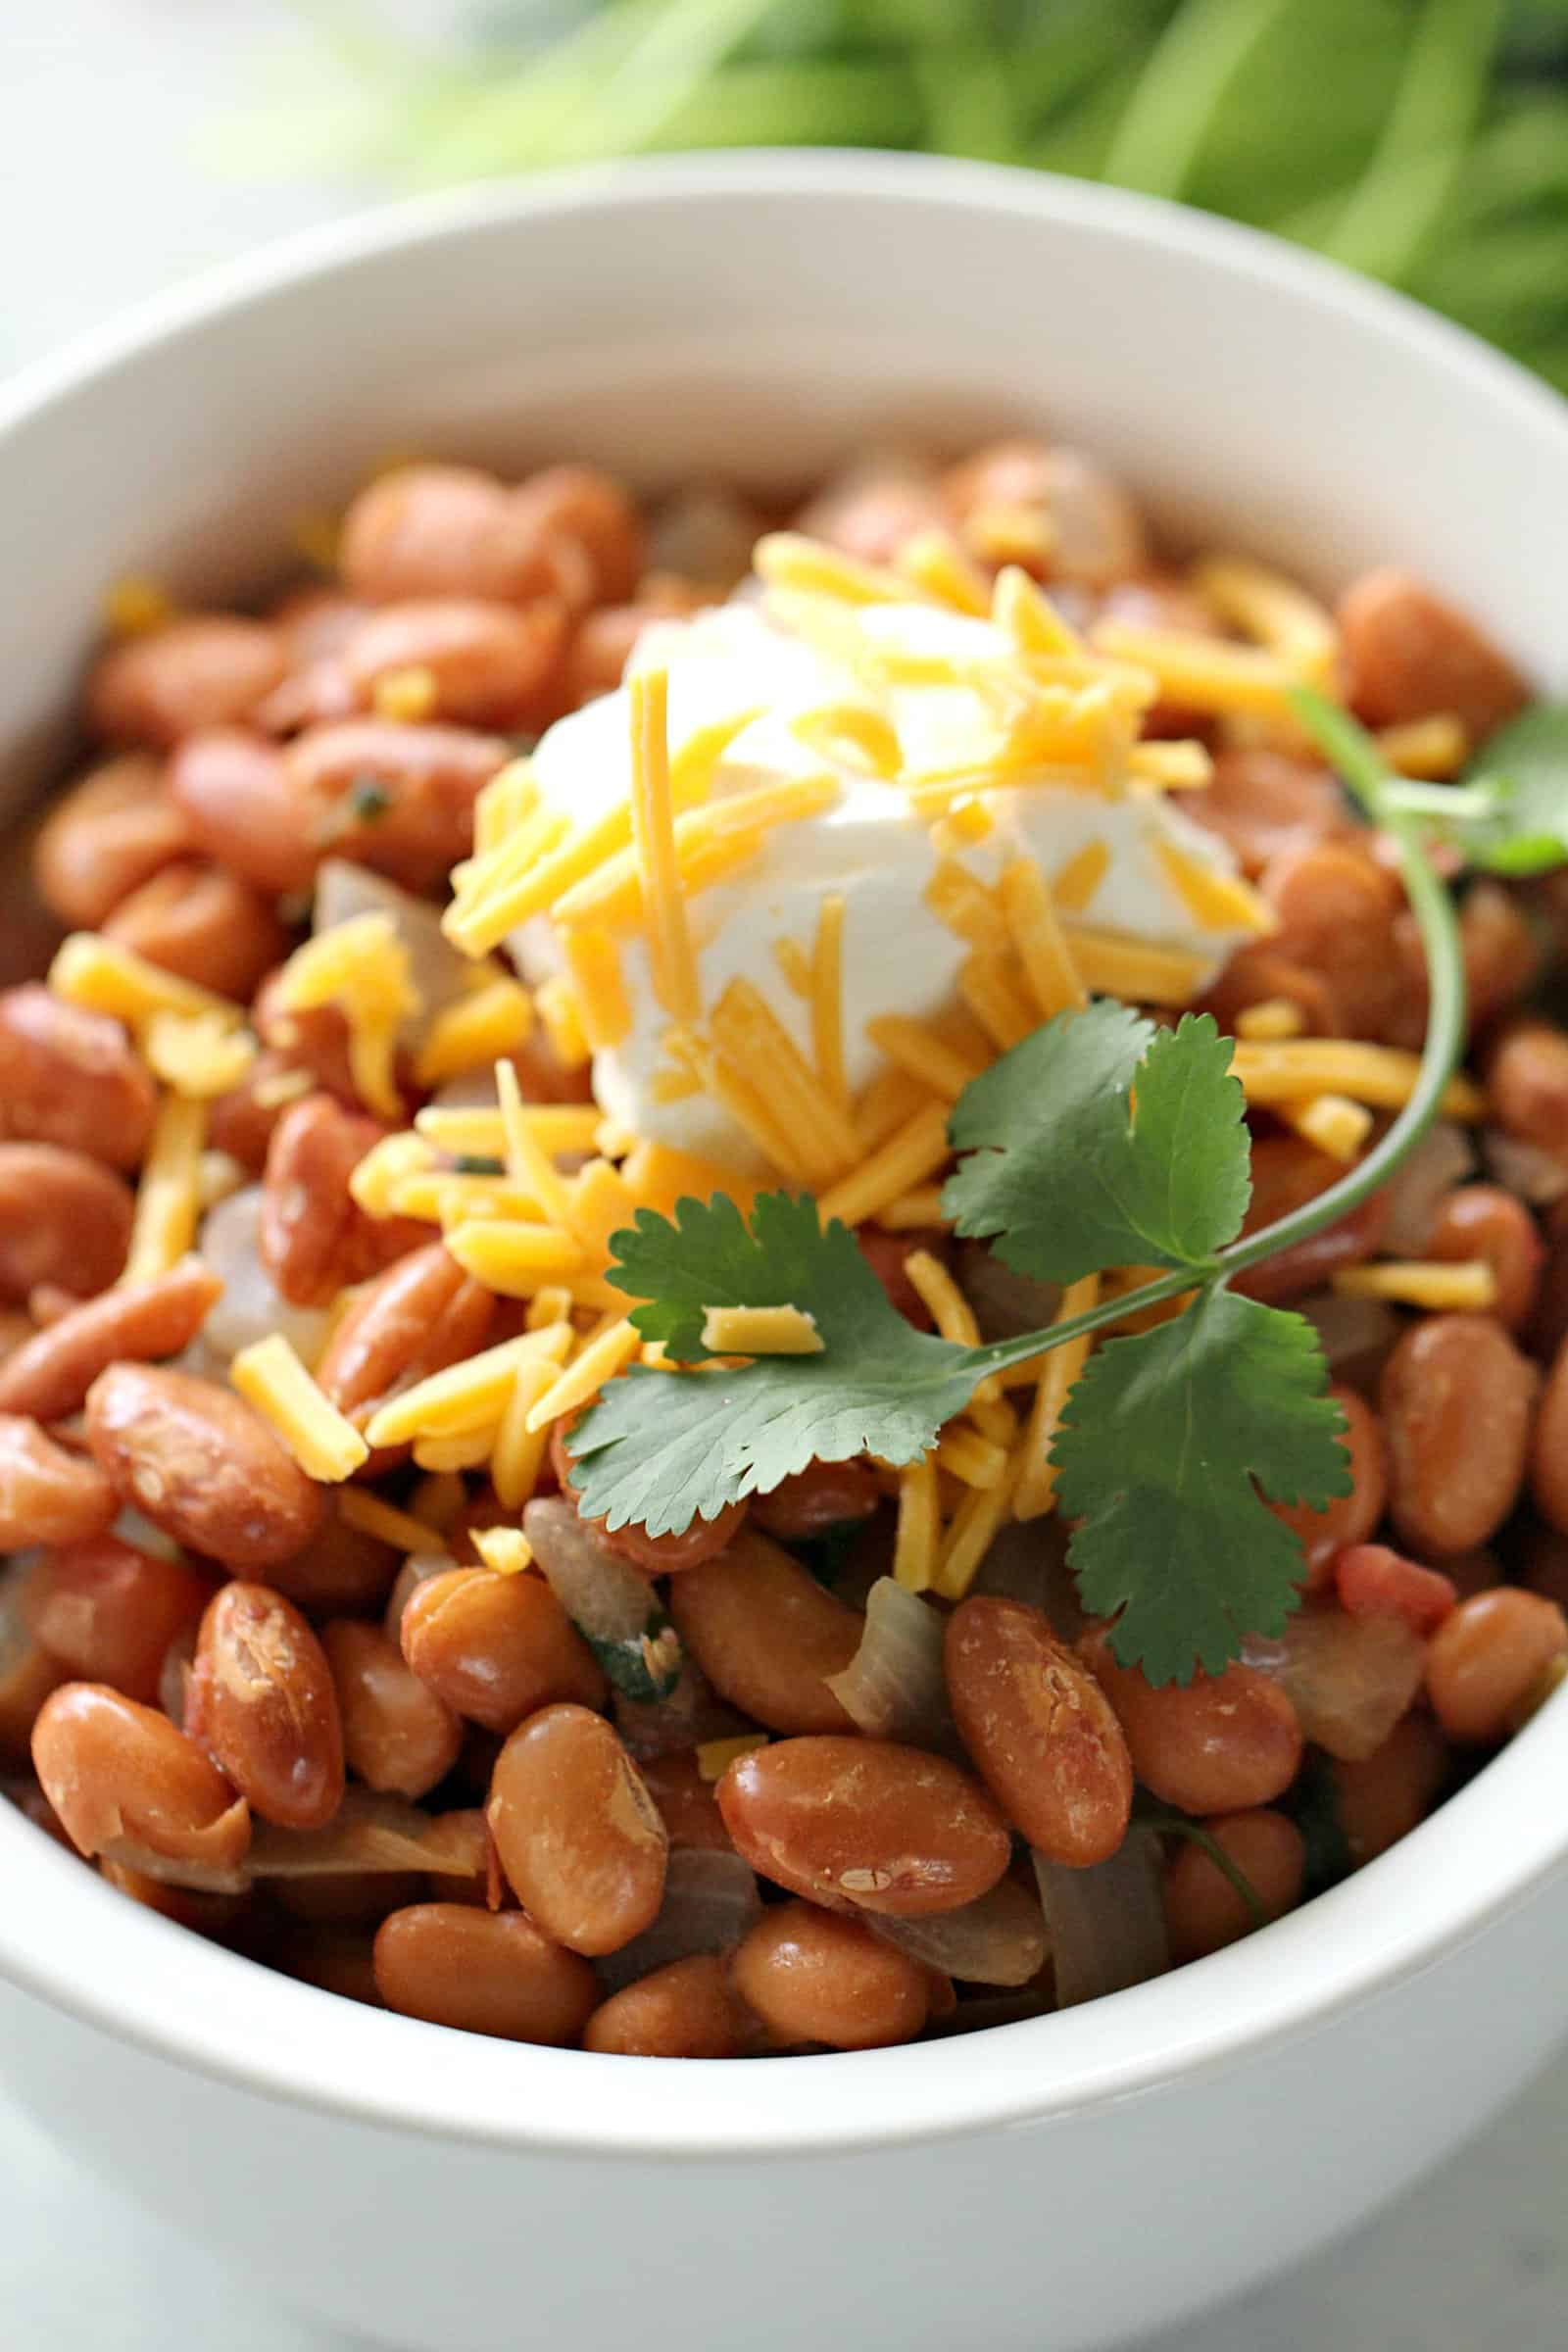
(1069, 2181)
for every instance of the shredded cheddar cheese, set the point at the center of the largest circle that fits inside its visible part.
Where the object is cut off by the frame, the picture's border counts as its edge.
(915, 1046)
(1042, 944)
(1271, 1020)
(760, 1331)
(1115, 964)
(504, 1550)
(466, 1395)
(1332, 1122)
(912, 1152)
(496, 1019)
(326, 1444)
(1074, 883)
(916, 1542)
(369, 1515)
(409, 695)
(102, 976)
(598, 1361)
(1035, 1490)
(169, 1195)
(1217, 902)
(1382, 1076)
(1467, 1285)
(200, 1055)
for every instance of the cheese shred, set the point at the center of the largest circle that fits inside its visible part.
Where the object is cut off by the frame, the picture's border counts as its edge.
(325, 1443)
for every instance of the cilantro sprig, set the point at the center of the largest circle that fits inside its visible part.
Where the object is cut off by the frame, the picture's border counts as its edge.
(1099, 1141)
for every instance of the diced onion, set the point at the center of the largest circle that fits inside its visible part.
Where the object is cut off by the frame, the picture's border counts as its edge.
(893, 1686)
(613, 1607)
(710, 1901)
(1106, 1924)
(250, 1305)
(1349, 1679)
(1535, 1174)
(375, 1833)
(999, 1939)
(1441, 1159)
(439, 973)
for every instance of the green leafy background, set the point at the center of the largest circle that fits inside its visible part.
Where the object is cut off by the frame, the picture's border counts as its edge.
(1425, 141)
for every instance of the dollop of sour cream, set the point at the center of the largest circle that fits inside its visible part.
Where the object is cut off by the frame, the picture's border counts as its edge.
(741, 661)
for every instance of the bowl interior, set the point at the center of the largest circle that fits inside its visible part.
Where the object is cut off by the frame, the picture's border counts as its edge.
(760, 318)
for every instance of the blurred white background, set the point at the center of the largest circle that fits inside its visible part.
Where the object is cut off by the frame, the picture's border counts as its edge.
(112, 183)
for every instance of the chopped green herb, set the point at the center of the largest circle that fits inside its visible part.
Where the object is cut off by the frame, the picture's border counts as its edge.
(646, 1666)
(478, 1164)
(1167, 1823)
(369, 800)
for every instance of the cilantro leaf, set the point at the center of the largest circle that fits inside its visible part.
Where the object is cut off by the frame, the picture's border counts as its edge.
(1527, 759)
(1162, 1438)
(682, 1449)
(1104, 1141)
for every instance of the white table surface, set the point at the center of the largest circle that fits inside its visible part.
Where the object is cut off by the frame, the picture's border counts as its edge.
(106, 191)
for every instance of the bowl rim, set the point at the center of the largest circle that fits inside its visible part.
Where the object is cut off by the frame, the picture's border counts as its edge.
(68, 1940)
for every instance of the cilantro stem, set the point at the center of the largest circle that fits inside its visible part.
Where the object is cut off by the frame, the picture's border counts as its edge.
(1379, 792)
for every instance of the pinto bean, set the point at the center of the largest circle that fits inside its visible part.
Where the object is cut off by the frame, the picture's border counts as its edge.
(814, 1976)
(119, 1774)
(766, 1635)
(314, 1237)
(201, 1465)
(822, 1495)
(1039, 1728)
(1336, 906)
(603, 641)
(491, 664)
(864, 1825)
(686, 1801)
(1486, 1659)
(1257, 976)
(421, 1315)
(316, 622)
(1221, 1743)
(397, 1734)
(1527, 1083)
(579, 1838)
(47, 1495)
(263, 1704)
(1202, 1909)
(485, 1972)
(49, 1374)
(442, 531)
(687, 2010)
(1457, 1400)
(340, 1570)
(203, 923)
(238, 797)
(1549, 1452)
(70, 1078)
(64, 1220)
(873, 509)
(1285, 1174)
(497, 1648)
(1266, 802)
(109, 833)
(28, 1675)
(208, 671)
(1348, 1518)
(580, 514)
(1483, 1221)
(1386, 1795)
(1502, 951)
(425, 780)
(1408, 654)
(1097, 533)
(109, 1612)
